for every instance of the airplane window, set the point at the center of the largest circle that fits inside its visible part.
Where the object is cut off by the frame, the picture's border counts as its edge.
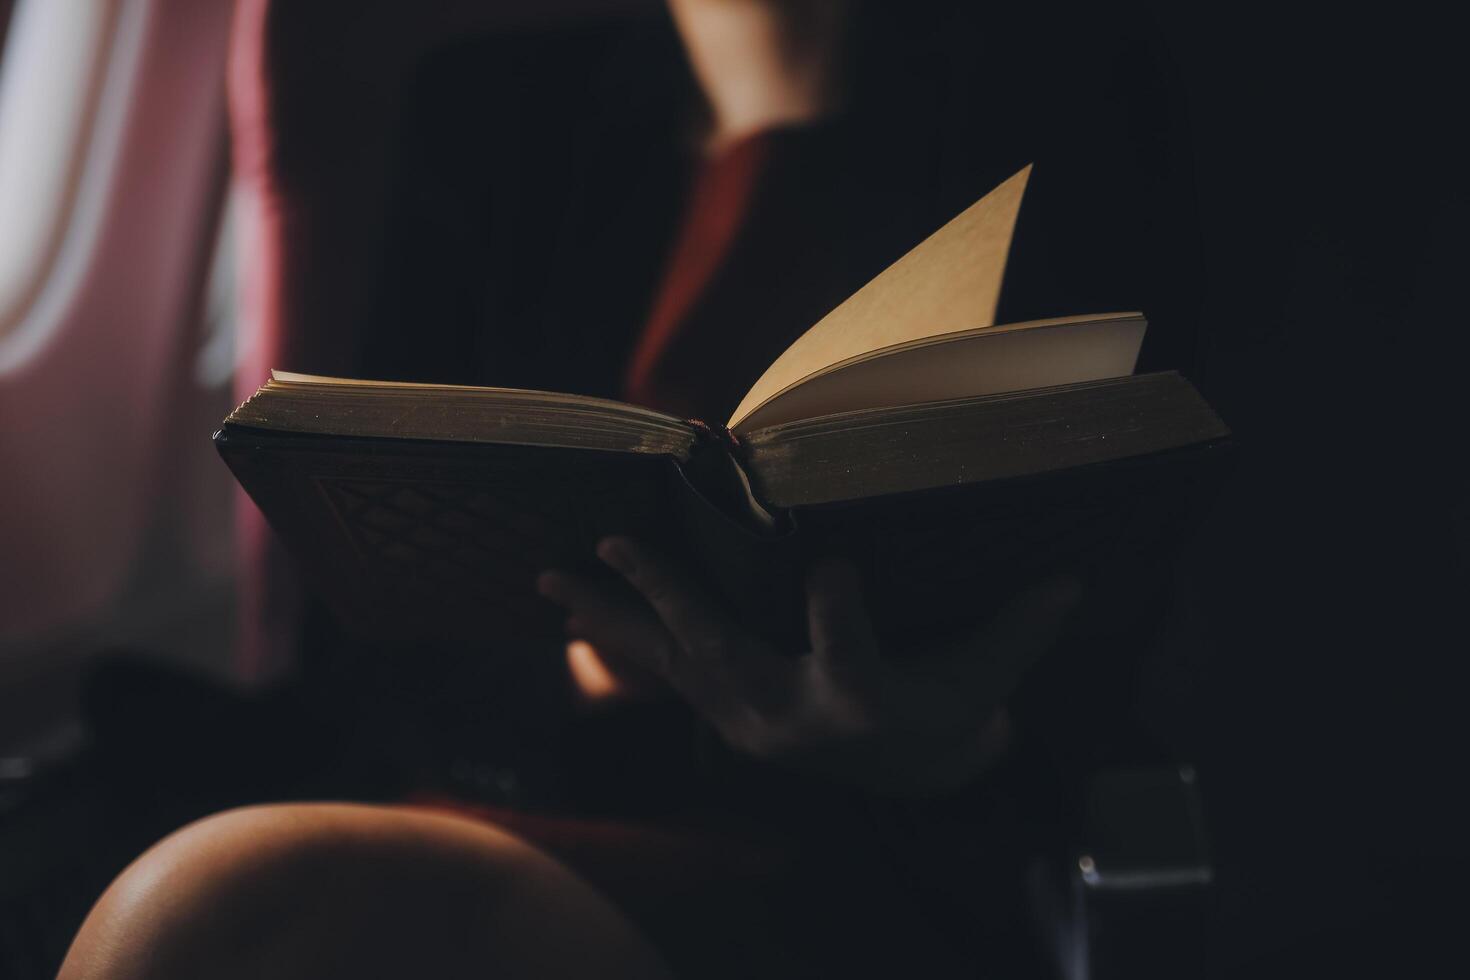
(51, 69)
(214, 366)
(5, 8)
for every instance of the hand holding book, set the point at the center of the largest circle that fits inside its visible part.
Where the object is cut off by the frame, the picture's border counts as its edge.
(919, 723)
(953, 460)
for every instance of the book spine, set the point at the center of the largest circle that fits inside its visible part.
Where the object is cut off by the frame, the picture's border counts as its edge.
(716, 468)
(715, 435)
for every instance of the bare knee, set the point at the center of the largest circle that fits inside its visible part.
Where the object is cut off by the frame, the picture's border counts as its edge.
(334, 889)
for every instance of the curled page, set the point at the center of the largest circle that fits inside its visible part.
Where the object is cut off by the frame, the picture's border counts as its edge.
(948, 282)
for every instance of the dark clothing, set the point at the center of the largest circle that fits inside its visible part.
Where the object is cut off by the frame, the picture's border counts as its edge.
(543, 191)
(542, 180)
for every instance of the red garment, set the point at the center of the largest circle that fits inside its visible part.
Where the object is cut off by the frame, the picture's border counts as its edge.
(715, 213)
(770, 242)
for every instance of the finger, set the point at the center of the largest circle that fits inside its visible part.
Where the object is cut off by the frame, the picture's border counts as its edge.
(727, 673)
(611, 622)
(616, 626)
(704, 632)
(1028, 627)
(603, 676)
(595, 681)
(837, 618)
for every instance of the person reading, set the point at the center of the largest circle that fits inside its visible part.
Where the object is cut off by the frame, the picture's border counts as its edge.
(312, 889)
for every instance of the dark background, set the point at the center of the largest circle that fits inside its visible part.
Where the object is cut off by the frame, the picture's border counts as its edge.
(1329, 585)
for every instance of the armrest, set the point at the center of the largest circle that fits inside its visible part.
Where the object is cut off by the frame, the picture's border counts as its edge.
(1130, 899)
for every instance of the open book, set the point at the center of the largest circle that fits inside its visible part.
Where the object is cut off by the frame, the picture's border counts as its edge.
(943, 452)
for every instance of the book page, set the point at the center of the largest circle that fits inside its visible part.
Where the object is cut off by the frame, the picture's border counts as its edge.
(950, 281)
(345, 408)
(989, 361)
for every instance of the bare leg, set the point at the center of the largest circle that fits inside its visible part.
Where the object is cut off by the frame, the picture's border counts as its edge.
(326, 890)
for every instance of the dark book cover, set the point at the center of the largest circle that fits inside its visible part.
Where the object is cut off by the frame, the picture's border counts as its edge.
(947, 510)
